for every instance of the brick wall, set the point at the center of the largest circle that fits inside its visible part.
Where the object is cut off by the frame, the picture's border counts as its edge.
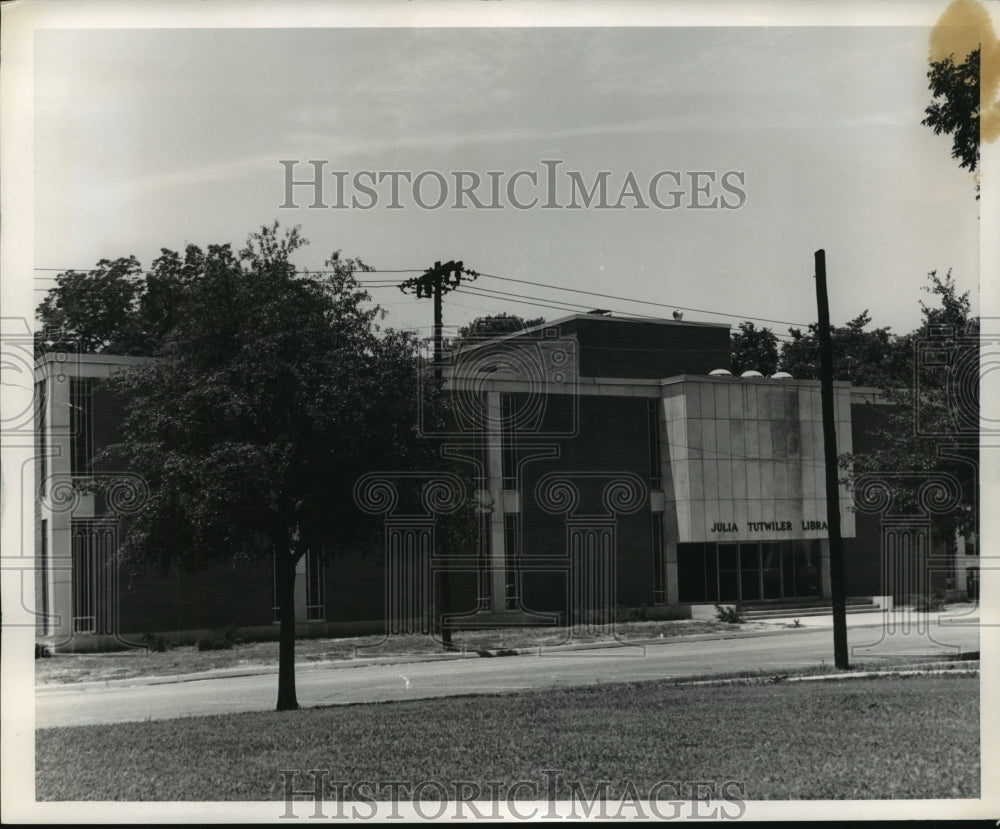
(613, 437)
(214, 596)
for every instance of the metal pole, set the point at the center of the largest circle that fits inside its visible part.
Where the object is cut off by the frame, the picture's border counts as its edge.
(837, 590)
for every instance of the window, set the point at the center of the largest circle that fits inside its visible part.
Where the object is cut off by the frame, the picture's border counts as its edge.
(42, 574)
(770, 561)
(512, 549)
(508, 441)
(749, 571)
(43, 439)
(81, 424)
(483, 551)
(659, 574)
(94, 577)
(312, 562)
(653, 422)
(729, 583)
(315, 604)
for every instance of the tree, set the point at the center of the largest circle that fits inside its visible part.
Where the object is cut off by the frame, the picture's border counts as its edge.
(754, 349)
(957, 114)
(116, 308)
(93, 310)
(931, 427)
(492, 325)
(273, 394)
(863, 358)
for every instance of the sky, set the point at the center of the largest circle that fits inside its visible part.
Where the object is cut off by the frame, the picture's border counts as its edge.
(147, 138)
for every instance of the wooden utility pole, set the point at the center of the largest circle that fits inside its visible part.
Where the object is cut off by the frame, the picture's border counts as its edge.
(837, 589)
(434, 283)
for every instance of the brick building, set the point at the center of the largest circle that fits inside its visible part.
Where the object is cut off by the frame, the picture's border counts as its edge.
(619, 466)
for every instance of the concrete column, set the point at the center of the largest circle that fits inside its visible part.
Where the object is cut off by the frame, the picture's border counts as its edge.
(494, 472)
(670, 559)
(59, 517)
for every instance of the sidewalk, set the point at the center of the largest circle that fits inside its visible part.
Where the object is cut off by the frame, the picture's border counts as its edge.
(902, 619)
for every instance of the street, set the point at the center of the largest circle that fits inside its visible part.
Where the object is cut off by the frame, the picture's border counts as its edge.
(324, 684)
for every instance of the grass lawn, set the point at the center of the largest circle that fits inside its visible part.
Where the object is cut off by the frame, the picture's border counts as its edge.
(880, 738)
(79, 667)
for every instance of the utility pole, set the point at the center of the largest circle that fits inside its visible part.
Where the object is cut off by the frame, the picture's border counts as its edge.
(837, 589)
(434, 283)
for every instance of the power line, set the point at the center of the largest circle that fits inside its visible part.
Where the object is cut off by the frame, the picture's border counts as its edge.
(541, 302)
(643, 301)
(529, 301)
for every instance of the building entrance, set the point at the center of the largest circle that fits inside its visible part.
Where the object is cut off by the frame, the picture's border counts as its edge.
(748, 571)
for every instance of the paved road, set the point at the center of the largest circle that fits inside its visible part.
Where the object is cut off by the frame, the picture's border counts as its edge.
(325, 685)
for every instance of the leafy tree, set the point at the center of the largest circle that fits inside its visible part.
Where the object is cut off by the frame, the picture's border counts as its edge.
(931, 426)
(492, 325)
(957, 113)
(863, 358)
(754, 349)
(274, 393)
(92, 311)
(116, 308)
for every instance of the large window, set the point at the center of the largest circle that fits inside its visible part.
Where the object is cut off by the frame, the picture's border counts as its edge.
(749, 571)
(95, 586)
(315, 603)
(512, 551)
(508, 438)
(659, 574)
(770, 564)
(43, 437)
(81, 424)
(653, 426)
(42, 575)
(729, 572)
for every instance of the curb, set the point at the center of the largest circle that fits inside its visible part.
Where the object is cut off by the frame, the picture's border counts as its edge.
(777, 679)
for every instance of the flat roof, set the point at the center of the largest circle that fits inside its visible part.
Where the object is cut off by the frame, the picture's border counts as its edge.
(571, 318)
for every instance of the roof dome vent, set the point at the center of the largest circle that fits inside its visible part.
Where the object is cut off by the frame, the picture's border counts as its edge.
(751, 373)
(720, 372)
(782, 375)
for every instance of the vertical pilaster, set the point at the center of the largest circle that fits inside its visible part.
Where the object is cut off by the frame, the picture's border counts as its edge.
(670, 558)
(58, 515)
(494, 471)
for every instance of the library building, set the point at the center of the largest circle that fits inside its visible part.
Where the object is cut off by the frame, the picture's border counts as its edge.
(619, 466)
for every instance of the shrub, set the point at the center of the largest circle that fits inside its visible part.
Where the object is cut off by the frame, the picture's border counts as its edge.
(631, 614)
(42, 651)
(927, 602)
(213, 643)
(234, 635)
(729, 614)
(155, 643)
(221, 640)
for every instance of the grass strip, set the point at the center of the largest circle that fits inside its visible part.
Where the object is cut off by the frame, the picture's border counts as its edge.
(915, 737)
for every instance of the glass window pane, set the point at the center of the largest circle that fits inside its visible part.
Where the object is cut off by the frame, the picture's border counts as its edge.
(690, 573)
(807, 575)
(711, 573)
(787, 568)
(728, 586)
(727, 557)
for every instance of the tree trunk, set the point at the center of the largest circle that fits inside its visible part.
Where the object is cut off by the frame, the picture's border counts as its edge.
(444, 605)
(285, 575)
